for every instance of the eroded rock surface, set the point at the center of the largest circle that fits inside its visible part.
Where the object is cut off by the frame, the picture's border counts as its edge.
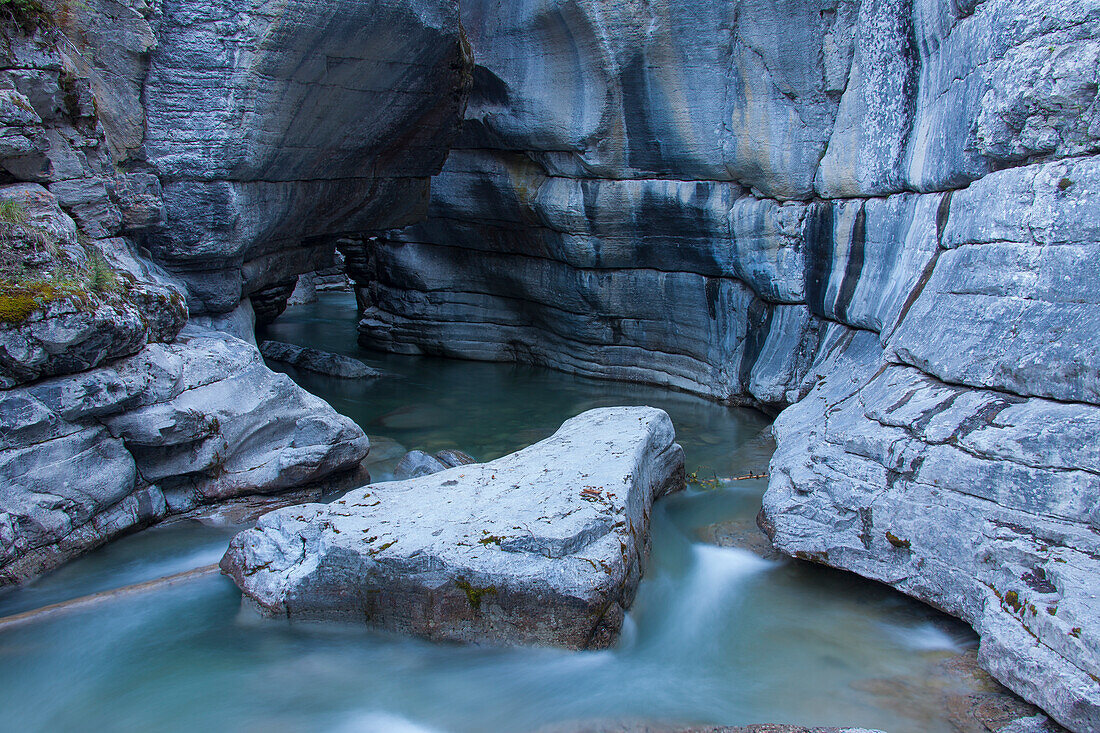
(883, 213)
(89, 456)
(163, 161)
(544, 546)
(955, 456)
(264, 132)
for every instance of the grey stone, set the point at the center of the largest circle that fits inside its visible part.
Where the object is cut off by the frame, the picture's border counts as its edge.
(200, 419)
(545, 546)
(83, 325)
(1016, 293)
(314, 360)
(879, 459)
(417, 463)
(452, 458)
(265, 130)
(269, 302)
(883, 211)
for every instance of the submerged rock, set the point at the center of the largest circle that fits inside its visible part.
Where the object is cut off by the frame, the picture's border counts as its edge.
(452, 457)
(417, 463)
(314, 360)
(545, 546)
(635, 727)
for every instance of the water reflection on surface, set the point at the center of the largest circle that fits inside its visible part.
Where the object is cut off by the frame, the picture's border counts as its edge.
(717, 635)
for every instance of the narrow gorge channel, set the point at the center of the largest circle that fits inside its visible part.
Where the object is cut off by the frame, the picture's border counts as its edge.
(713, 363)
(717, 635)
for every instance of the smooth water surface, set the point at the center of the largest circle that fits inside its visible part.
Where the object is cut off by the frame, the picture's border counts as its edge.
(717, 635)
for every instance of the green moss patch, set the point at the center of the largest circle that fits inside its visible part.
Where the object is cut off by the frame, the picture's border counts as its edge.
(475, 594)
(20, 300)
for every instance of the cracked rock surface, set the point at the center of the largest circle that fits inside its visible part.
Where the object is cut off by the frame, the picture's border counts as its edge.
(162, 161)
(544, 546)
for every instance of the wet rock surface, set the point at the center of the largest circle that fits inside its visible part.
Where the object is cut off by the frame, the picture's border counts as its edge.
(320, 362)
(417, 463)
(545, 546)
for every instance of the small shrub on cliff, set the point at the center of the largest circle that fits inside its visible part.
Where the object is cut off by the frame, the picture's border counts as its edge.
(101, 278)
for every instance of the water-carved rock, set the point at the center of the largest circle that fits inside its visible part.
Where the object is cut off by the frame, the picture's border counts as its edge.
(544, 546)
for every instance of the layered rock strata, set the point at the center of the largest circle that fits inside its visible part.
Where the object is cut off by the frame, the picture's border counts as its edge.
(264, 132)
(956, 457)
(545, 546)
(161, 162)
(91, 455)
(881, 212)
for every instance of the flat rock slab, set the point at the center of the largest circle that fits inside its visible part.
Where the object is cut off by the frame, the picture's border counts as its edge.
(545, 546)
(314, 360)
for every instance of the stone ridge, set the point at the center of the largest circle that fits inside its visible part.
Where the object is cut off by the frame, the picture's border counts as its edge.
(881, 212)
(544, 546)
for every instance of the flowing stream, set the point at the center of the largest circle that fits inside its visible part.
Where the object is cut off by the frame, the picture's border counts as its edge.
(717, 635)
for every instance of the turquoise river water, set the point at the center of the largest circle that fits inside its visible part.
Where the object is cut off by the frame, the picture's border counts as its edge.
(717, 635)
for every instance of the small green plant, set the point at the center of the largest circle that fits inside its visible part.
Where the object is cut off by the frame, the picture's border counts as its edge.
(474, 594)
(898, 542)
(19, 300)
(101, 278)
(12, 212)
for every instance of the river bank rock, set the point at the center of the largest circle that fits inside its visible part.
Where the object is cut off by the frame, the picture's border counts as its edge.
(544, 546)
(148, 190)
(315, 360)
(89, 456)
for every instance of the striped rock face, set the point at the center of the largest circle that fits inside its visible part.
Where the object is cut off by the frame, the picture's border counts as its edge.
(882, 212)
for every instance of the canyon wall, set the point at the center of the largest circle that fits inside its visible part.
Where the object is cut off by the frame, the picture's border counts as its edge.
(162, 162)
(880, 215)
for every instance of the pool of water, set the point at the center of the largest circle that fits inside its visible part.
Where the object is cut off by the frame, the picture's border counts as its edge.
(717, 635)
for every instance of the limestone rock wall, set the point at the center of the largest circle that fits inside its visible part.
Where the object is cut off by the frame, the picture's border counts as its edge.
(881, 212)
(162, 161)
(265, 129)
